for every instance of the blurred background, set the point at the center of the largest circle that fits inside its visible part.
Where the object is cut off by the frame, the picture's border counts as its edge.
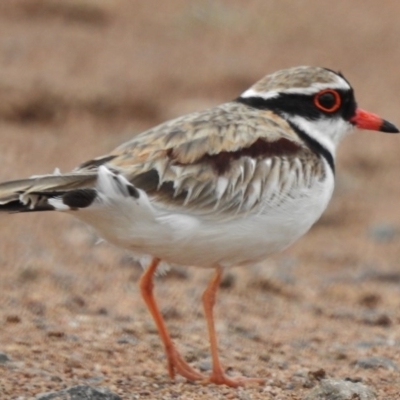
(79, 77)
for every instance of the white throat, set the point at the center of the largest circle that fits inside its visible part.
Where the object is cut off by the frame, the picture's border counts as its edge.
(326, 131)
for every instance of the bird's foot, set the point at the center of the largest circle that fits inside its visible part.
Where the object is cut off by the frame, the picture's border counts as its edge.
(176, 364)
(220, 378)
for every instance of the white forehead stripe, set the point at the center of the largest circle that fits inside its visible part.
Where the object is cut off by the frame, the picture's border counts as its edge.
(316, 87)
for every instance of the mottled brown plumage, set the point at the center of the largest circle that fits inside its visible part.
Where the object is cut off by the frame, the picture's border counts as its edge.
(180, 162)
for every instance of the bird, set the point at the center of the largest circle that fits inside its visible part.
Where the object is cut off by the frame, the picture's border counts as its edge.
(226, 186)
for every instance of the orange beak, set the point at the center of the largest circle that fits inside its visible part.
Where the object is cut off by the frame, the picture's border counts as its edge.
(366, 120)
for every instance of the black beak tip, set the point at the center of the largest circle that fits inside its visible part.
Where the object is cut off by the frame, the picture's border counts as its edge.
(388, 127)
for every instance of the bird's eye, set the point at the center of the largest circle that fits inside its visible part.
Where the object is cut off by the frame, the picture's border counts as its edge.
(328, 100)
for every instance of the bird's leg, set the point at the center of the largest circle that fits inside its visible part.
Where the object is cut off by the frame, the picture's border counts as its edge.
(218, 375)
(175, 361)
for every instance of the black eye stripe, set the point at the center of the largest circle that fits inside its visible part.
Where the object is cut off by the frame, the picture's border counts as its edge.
(302, 104)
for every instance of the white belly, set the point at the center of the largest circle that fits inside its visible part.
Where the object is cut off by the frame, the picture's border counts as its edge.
(249, 239)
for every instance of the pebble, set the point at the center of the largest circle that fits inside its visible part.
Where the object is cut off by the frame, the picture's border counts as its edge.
(13, 319)
(228, 281)
(55, 334)
(382, 232)
(376, 362)
(248, 333)
(375, 273)
(79, 392)
(204, 365)
(338, 389)
(4, 358)
(128, 339)
(376, 319)
(171, 312)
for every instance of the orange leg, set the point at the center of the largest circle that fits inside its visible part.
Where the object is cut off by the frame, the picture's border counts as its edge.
(218, 375)
(175, 360)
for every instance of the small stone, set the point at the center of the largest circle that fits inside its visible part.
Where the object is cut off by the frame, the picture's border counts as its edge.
(337, 389)
(265, 284)
(55, 334)
(376, 319)
(128, 339)
(228, 281)
(374, 273)
(129, 331)
(78, 393)
(382, 232)
(204, 365)
(246, 332)
(370, 300)
(171, 312)
(265, 357)
(94, 379)
(102, 311)
(376, 362)
(4, 358)
(29, 274)
(318, 375)
(13, 319)
(75, 303)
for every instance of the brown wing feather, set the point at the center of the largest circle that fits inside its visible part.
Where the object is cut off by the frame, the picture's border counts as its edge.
(11, 190)
(189, 161)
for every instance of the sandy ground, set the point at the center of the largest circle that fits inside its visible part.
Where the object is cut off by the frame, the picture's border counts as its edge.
(77, 78)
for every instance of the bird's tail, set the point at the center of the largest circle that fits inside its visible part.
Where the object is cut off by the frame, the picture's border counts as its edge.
(35, 193)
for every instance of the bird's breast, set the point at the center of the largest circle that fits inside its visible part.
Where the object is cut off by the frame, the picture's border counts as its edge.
(278, 222)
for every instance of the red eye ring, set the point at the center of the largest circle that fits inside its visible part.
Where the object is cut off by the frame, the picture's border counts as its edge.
(332, 103)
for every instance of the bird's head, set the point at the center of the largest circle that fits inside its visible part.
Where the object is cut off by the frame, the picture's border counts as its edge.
(315, 100)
